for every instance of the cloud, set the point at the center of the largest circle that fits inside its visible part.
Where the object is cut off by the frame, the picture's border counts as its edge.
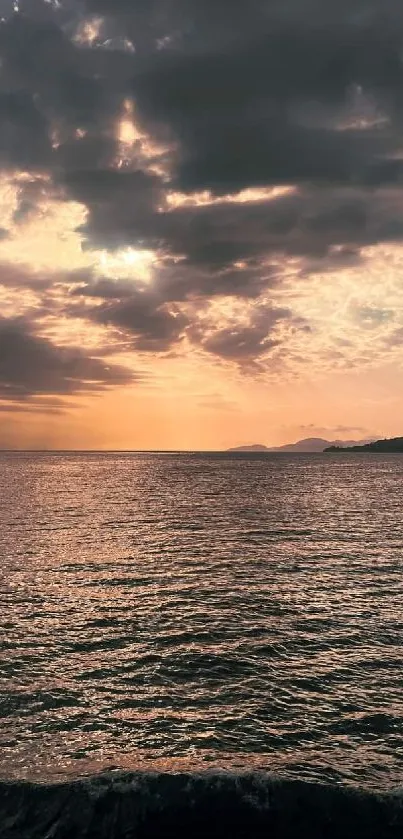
(263, 104)
(335, 429)
(120, 203)
(32, 366)
(17, 277)
(243, 341)
(143, 315)
(36, 405)
(292, 94)
(24, 140)
(154, 327)
(170, 129)
(371, 317)
(310, 222)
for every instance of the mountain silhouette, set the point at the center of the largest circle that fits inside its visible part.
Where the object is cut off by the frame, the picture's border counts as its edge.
(308, 444)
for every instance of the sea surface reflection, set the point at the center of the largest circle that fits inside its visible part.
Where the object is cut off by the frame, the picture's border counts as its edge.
(189, 610)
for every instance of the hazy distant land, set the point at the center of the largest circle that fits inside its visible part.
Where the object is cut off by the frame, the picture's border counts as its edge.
(308, 444)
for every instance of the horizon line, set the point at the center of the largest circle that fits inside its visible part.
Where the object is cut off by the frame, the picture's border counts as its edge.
(137, 451)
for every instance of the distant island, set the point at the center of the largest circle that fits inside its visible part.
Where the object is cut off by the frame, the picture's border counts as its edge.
(394, 445)
(256, 448)
(308, 444)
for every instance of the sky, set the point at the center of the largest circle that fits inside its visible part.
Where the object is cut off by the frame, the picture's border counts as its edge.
(201, 229)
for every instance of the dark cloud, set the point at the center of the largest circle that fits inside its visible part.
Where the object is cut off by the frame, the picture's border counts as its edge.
(123, 205)
(104, 288)
(177, 282)
(233, 101)
(255, 103)
(266, 93)
(153, 325)
(31, 366)
(309, 222)
(243, 343)
(49, 90)
(188, 281)
(228, 248)
(24, 139)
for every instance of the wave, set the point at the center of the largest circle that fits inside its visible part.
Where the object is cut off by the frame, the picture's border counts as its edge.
(212, 805)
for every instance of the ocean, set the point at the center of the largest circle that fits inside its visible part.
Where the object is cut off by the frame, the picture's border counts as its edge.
(201, 644)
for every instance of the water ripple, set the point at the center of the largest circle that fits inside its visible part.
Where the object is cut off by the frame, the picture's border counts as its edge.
(208, 609)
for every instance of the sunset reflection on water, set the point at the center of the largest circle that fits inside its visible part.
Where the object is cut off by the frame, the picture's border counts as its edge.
(180, 611)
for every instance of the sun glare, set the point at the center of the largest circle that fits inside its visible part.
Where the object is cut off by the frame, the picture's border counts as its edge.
(89, 31)
(128, 263)
(128, 133)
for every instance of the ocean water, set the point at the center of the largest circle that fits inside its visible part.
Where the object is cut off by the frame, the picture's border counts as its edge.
(189, 615)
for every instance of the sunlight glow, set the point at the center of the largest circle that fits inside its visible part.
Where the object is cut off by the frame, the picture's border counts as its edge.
(246, 196)
(130, 263)
(128, 133)
(136, 146)
(89, 31)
